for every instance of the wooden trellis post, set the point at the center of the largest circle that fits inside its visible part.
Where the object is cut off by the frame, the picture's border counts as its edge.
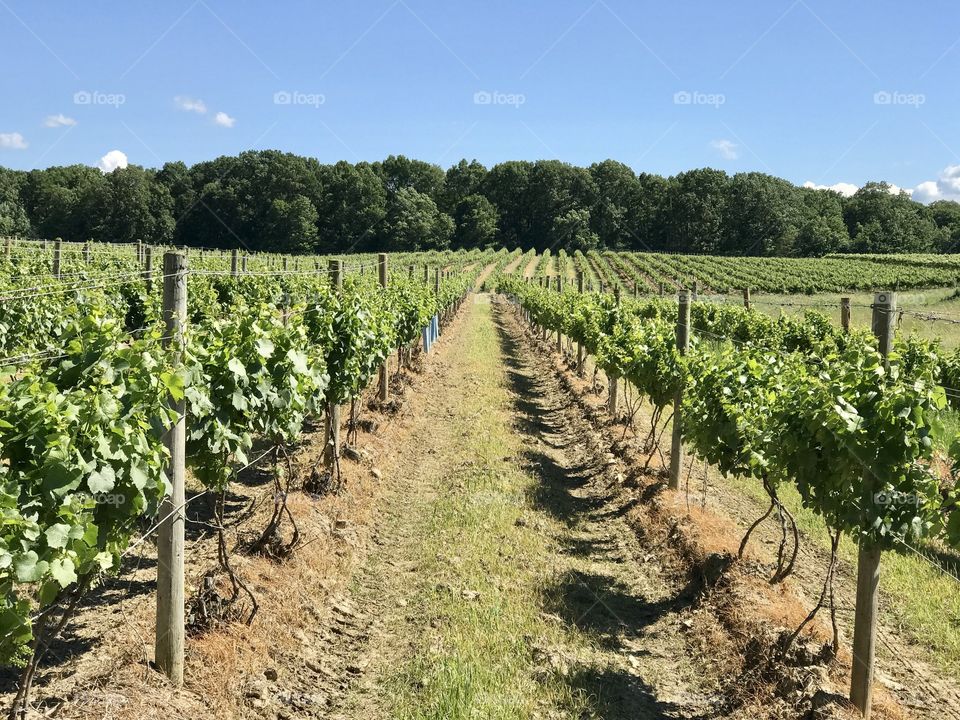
(170, 592)
(559, 334)
(580, 344)
(331, 450)
(384, 374)
(683, 344)
(868, 558)
(57, 253)
(148, 268)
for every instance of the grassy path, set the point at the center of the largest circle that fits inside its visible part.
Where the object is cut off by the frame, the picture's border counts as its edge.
(500, 586)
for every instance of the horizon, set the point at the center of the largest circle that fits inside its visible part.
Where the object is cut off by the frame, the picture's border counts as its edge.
(804, 91)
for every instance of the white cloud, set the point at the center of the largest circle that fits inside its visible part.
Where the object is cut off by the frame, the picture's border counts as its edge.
(726, 148)
(945, 187)
(59, 120)
(927, 192)
(112, 160)
(224, 120)
(12, 141)
(847, 189)
(190, 104)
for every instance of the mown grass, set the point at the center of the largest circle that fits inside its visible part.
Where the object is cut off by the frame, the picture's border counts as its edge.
(486, 570)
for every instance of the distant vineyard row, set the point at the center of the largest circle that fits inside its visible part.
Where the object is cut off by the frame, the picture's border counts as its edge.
(646, 273)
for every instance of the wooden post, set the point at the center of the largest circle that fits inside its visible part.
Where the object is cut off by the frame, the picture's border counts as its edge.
(696, 291)
(411, 269)
(559, 334)
(140, 252)
(87, 252)
(580, 344)
(845, 314)
(170, 593)
(662, 290)
(683, 343)
(384, 374)
(243, 264)
(233, 262)
(746, 298)
(6, 248)
(426, 273)
(285, 264)
(332, 449)
(613, 381)
(57, 251)
(636, 290)
(148, 268)
(868, 558)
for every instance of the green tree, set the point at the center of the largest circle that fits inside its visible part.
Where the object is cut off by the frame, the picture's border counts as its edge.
(293, 225)
(476, 222)
(616, 213)
(882, 222)
(572, 230)
(13, 215)
(414, 223)
(352, 208)
(462, 180)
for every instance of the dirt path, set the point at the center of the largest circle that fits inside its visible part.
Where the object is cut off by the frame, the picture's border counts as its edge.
(497, 583)
(531, 267)
(512, 265)
(482, 277)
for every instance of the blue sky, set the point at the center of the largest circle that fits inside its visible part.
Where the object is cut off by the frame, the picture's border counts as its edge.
(810, 90)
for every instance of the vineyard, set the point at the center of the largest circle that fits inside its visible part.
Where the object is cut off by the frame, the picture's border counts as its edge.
(143, 383)
(655, 273)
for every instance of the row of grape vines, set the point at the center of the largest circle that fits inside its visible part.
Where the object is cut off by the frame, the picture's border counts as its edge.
(647, 273)
(92, 374)
(854, 426)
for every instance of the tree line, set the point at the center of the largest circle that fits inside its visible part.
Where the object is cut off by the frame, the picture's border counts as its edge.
(270, 200)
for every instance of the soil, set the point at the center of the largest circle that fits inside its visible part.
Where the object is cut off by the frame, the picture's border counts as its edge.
(662, 621)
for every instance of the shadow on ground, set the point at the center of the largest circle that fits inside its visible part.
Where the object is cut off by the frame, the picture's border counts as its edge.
(594, 603)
